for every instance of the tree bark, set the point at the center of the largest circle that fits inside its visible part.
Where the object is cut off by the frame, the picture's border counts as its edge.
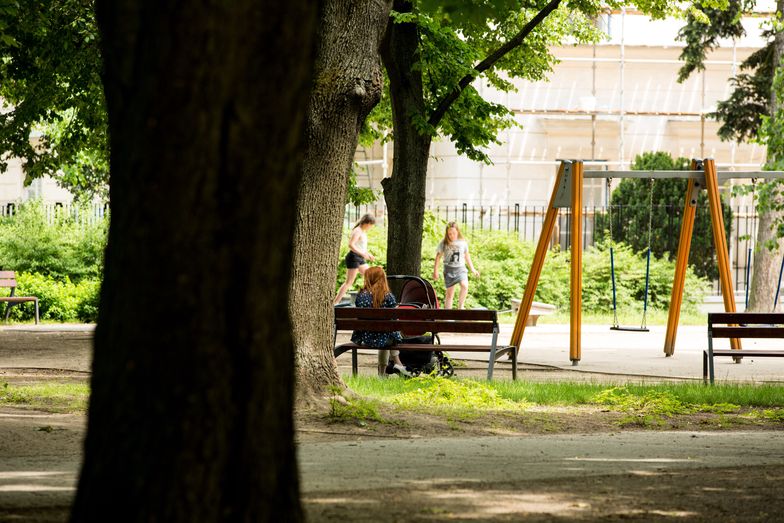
(348, 83)
(405, 190)
(190, 416)
(766, 261)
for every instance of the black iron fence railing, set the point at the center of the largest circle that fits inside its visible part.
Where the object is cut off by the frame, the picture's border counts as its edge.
(629, 225)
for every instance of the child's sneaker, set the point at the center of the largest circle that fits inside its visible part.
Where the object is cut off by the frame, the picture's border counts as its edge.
(399, 369)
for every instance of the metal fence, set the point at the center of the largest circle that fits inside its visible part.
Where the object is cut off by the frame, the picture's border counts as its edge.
(88, 214)
(525, 223)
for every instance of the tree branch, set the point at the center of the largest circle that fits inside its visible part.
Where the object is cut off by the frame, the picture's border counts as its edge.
(488, 62)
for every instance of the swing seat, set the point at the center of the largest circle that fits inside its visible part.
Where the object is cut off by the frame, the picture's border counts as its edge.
(630, 329)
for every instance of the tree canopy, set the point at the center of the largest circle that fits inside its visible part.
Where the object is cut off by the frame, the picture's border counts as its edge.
(54, 113)
(741, 114)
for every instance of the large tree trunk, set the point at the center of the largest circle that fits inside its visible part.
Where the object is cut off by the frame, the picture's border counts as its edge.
(190, 416)
(766, 261)
(348, 83)
(765, 265)
(405, 190)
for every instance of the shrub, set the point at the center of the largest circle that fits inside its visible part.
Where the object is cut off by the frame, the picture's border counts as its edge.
(59, 247)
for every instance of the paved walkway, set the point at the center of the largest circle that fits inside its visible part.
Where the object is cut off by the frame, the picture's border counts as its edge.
(637, 353)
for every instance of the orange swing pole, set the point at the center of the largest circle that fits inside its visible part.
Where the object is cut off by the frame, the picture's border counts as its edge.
(720, 241)
(681, 262)
(538, 262)
(575, 302)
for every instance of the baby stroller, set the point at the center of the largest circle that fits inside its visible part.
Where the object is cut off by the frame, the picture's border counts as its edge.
(413, 292)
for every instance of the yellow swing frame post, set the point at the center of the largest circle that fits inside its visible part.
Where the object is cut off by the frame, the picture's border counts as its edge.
(681, 260)
(568, 192)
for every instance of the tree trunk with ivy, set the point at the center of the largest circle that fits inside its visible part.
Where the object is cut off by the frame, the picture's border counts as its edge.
(766, 264)
(190, 416)
(347, 84)
(405, 190)
(414, 127)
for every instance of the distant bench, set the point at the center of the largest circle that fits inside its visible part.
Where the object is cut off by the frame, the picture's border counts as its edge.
(417, 321)
(8, 280)
(537, 309)
(741, 325)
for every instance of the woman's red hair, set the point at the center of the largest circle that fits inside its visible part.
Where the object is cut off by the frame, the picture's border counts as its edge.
(376, 284)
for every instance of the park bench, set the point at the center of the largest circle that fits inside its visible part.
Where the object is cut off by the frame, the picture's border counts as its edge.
(435, 321)
(537, 309)
(741, 325)
(8, 279)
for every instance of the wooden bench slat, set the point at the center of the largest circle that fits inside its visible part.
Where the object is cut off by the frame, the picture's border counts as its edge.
(747, 332)
(414, 326)
(423, 347)
(762, 353)
(17, 299)
(747, 318)
(415, 314)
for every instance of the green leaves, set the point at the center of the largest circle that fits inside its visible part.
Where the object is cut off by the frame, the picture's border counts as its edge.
(705, 25)
(50, 64)
(454, 37)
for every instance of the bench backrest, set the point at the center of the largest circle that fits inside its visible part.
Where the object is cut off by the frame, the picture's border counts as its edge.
(414, 320)
(7, 279)
(746, 324)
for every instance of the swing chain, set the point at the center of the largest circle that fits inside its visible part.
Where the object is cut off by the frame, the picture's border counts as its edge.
(650, 213)
(609, 208)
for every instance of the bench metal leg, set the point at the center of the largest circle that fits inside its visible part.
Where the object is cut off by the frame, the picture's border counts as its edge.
(493, 349)
(705, 367)
(354, 364)
(36, 313)
(710, 359)
(514, 364)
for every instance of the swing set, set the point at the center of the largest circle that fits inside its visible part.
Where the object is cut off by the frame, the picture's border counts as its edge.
(568, 193)
(643, 324)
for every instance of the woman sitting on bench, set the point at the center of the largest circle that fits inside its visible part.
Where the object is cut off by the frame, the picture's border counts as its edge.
(376, 294)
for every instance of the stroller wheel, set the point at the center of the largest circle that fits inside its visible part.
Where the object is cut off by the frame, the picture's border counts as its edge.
(445, 367)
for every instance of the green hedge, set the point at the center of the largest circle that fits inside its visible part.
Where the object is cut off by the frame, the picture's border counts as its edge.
(504, 262)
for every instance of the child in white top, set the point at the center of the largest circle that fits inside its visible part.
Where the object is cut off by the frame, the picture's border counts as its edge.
(454, 249)
(358, 254)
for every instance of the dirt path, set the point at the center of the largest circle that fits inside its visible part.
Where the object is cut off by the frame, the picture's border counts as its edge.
(633, 475)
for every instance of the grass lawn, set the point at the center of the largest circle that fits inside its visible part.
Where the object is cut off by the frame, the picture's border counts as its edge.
(638, 404)
(567, 393)
(46, 396)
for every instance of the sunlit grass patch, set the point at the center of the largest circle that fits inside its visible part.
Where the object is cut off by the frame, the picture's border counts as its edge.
(646, 404)
(448, 395)
(48, 396)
